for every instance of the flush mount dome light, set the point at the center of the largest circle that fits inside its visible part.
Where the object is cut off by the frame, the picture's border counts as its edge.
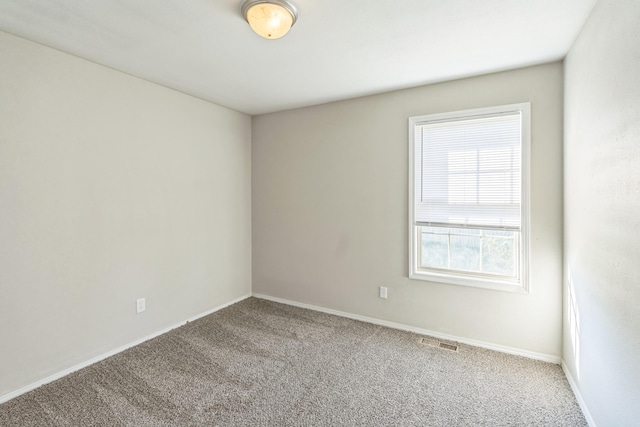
(270, 19)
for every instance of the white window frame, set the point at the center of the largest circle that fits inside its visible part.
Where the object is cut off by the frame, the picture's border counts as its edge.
(519, 284)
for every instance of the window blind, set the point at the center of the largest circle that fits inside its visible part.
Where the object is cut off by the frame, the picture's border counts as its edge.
(468, 172)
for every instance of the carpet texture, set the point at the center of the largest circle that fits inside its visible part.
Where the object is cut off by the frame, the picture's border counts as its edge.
(259, 363)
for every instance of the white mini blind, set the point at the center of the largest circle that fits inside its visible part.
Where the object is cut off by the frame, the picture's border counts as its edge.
(468, 172)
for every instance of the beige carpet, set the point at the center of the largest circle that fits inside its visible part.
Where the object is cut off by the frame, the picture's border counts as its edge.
(259, 363)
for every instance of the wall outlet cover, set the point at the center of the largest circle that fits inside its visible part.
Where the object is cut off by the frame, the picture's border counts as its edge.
(140, 305)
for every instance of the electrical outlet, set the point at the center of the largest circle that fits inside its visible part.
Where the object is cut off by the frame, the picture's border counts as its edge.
(383, 292)
(141, 305)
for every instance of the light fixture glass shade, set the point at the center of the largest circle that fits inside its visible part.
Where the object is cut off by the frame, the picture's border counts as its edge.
(270, 19)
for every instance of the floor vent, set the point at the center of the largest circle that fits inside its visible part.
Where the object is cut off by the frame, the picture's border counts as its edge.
(439, 344)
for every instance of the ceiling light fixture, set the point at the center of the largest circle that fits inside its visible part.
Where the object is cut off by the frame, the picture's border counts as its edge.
(270, 19)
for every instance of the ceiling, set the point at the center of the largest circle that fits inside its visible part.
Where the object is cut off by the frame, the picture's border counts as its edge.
(338, 49)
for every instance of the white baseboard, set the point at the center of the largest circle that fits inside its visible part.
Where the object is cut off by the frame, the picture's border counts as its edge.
(490, 346)
(65, 372)
(576, 392)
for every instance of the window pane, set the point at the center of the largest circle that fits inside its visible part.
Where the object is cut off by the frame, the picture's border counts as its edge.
(499, 233)
(498, 255)
(435, 229)
(467, 231)
(435, 250)
(465, 253)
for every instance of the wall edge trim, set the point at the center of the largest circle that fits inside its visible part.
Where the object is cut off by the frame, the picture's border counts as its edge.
(578, 395)
(53, 377)
(490, 346)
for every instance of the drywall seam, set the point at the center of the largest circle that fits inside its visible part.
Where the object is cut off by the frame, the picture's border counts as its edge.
(576, 392)
(490, 346)
(13, 394)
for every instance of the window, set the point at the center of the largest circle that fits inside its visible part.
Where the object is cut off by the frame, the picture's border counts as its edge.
(469, 197)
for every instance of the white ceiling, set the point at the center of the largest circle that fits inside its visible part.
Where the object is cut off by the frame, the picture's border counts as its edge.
(338, 49)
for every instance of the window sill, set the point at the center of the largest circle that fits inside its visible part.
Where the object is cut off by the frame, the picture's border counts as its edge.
(471, 281)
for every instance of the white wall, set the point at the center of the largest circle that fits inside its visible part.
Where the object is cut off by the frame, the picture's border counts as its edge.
(111, 189)
(601, 346)
(329, 208)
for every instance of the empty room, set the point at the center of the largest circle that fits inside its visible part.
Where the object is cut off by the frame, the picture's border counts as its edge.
(320, 213)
